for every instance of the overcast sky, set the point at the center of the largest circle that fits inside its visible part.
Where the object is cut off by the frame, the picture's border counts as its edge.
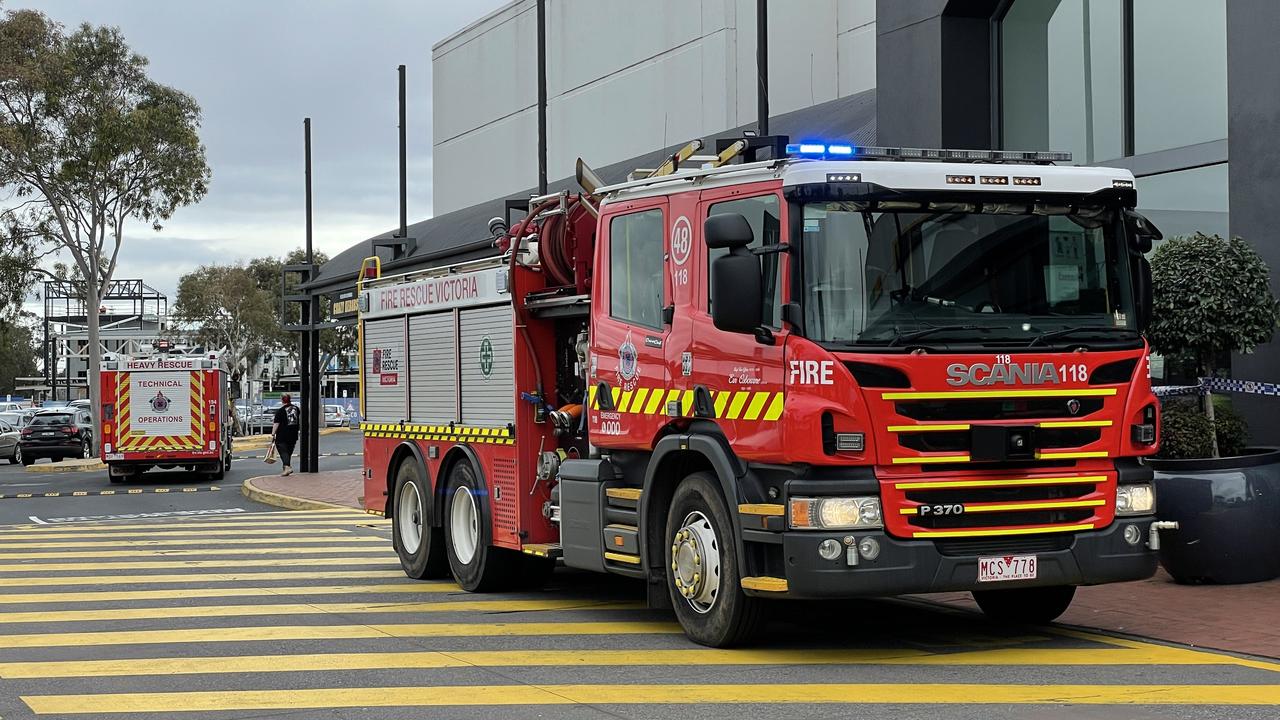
(257, 68)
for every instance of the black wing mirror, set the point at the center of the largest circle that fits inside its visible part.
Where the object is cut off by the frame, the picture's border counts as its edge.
(1142, 233)
(736, 293)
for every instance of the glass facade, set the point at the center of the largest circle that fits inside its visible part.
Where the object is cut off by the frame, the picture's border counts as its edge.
(1179, 73)
(1186, 202)
(1062, 77)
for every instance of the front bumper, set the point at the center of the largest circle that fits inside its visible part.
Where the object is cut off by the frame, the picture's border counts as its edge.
(918, 566)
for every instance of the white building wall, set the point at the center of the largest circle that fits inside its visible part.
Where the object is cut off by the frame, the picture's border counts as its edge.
(626, 77)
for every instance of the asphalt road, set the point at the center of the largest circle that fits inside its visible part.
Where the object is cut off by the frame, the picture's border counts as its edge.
(179, 491)
(221, 608)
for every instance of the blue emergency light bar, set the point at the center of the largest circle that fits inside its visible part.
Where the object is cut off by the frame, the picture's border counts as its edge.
(840, 150)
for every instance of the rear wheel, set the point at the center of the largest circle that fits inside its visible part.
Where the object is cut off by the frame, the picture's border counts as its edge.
(703, 577)
(477, 565)
(419, 545)
(17, 456)
(1032, 606)
(86, 449)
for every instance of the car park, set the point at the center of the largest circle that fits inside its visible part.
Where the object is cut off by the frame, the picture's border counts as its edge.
(57, 434)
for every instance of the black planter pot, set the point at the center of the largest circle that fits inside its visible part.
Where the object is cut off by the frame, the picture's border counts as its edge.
(1228, 513)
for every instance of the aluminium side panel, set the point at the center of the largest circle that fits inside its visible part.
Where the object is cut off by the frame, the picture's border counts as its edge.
(385, 370)
(487, 365)
(433, 354)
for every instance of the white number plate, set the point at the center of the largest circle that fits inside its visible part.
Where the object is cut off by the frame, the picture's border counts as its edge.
(1007, 567)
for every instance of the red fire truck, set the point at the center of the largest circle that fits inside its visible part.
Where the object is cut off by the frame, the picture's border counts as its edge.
(806, 370)
(165, 412)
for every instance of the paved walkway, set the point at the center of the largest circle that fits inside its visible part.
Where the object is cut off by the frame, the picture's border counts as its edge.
(1237, 618)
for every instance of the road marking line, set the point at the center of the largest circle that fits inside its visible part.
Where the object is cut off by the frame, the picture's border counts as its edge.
(88, 530)
(204, 542)
(571, 658)
(94, 580)
(270, 633)
(684, 694)
(175, 564)
(213, 518)
(73, 596)
(381, 549)
(142, 535)
(201, 611)
(1166, 654)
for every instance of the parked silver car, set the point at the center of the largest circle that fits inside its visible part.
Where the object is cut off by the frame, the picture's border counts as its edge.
(9, 448)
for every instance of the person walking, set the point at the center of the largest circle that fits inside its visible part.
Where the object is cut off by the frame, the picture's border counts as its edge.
(284, 431)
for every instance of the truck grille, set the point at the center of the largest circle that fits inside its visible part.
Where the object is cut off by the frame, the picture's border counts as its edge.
(995, 409)
(1007, 505)
(1003, 546)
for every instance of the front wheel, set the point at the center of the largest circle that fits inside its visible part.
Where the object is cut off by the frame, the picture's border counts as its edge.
(419, 545)
(86, 449)
(17, 456)
(703, 577)
(477, 565)
(1031, 606)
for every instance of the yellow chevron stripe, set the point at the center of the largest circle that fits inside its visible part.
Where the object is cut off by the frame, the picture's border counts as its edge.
(637, 403)
(722, 399)
(757, 404)
(735, 407)
(655, 403)
(775, 408)
(686, 403)
(623, 401)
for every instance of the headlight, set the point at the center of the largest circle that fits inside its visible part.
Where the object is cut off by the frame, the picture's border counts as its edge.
(1135, 500)
(835, 513)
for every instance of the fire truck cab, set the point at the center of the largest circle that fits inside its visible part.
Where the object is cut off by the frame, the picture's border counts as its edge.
(833, 372)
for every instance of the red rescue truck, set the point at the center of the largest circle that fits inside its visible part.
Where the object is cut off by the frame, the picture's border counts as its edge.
(806, 370)
(165, 412)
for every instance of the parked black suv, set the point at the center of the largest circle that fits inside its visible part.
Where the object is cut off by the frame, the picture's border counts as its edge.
(57, 434)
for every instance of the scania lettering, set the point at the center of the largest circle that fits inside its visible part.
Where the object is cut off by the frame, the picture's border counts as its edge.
(778, 370)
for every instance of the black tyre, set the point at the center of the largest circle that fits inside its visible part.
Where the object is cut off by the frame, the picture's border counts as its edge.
(419, 545)
(17, 456)
(703, 577)
(476, 564)
(1032, 606)
(86, 449)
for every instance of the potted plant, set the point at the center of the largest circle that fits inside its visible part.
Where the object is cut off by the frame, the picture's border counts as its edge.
(1212, 297)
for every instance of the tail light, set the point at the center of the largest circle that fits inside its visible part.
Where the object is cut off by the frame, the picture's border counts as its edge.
(68, 430)
(27, 431)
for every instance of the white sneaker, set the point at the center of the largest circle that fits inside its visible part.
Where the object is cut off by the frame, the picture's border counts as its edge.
(287, 470)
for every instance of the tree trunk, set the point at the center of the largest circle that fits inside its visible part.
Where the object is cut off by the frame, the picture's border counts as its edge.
(95, 362)
(1207, 399)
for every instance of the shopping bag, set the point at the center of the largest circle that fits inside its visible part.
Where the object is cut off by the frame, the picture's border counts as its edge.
(271, 454)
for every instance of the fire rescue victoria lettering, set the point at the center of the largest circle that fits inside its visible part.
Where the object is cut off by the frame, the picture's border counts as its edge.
(439, 291)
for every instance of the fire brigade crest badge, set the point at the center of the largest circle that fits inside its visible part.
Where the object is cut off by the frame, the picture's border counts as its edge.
(628, 360)
(159, 403)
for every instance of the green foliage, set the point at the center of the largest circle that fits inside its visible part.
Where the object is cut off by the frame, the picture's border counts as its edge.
(222, 306)
(1185, 430)
(1211, 296)
(18, 352)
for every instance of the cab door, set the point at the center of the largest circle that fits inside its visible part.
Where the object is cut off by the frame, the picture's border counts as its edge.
(743, 376)
(629, 327)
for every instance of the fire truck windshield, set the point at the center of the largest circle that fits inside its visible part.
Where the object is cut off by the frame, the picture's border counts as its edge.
(964, 274)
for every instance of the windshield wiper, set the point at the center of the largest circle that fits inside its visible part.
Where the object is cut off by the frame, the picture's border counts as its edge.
(906, 337)
(1054, 334)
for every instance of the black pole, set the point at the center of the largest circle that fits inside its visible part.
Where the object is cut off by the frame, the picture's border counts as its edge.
(305, 349)
(762, 65)
(542, 97)
(404, 173)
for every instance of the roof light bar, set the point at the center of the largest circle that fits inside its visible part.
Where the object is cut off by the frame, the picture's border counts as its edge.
(846, 150)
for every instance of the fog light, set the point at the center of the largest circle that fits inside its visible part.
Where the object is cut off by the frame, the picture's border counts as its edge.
(1132, 534)
(829, 549)
(869, 548)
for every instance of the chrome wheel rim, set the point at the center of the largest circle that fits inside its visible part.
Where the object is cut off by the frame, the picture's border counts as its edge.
(409, 517)
(17, 453)
(695, 562)
(464, 525)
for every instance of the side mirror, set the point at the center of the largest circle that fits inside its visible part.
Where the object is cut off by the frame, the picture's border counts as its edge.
(1141, 231)
(736, 293)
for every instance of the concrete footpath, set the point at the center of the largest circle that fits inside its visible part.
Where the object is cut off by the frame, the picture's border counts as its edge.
(1236, 618)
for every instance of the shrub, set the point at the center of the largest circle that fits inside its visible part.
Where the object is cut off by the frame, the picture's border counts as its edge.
(1185, 431)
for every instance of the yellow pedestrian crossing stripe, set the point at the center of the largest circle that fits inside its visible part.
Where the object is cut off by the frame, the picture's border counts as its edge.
(682, 694)
(86, 610)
